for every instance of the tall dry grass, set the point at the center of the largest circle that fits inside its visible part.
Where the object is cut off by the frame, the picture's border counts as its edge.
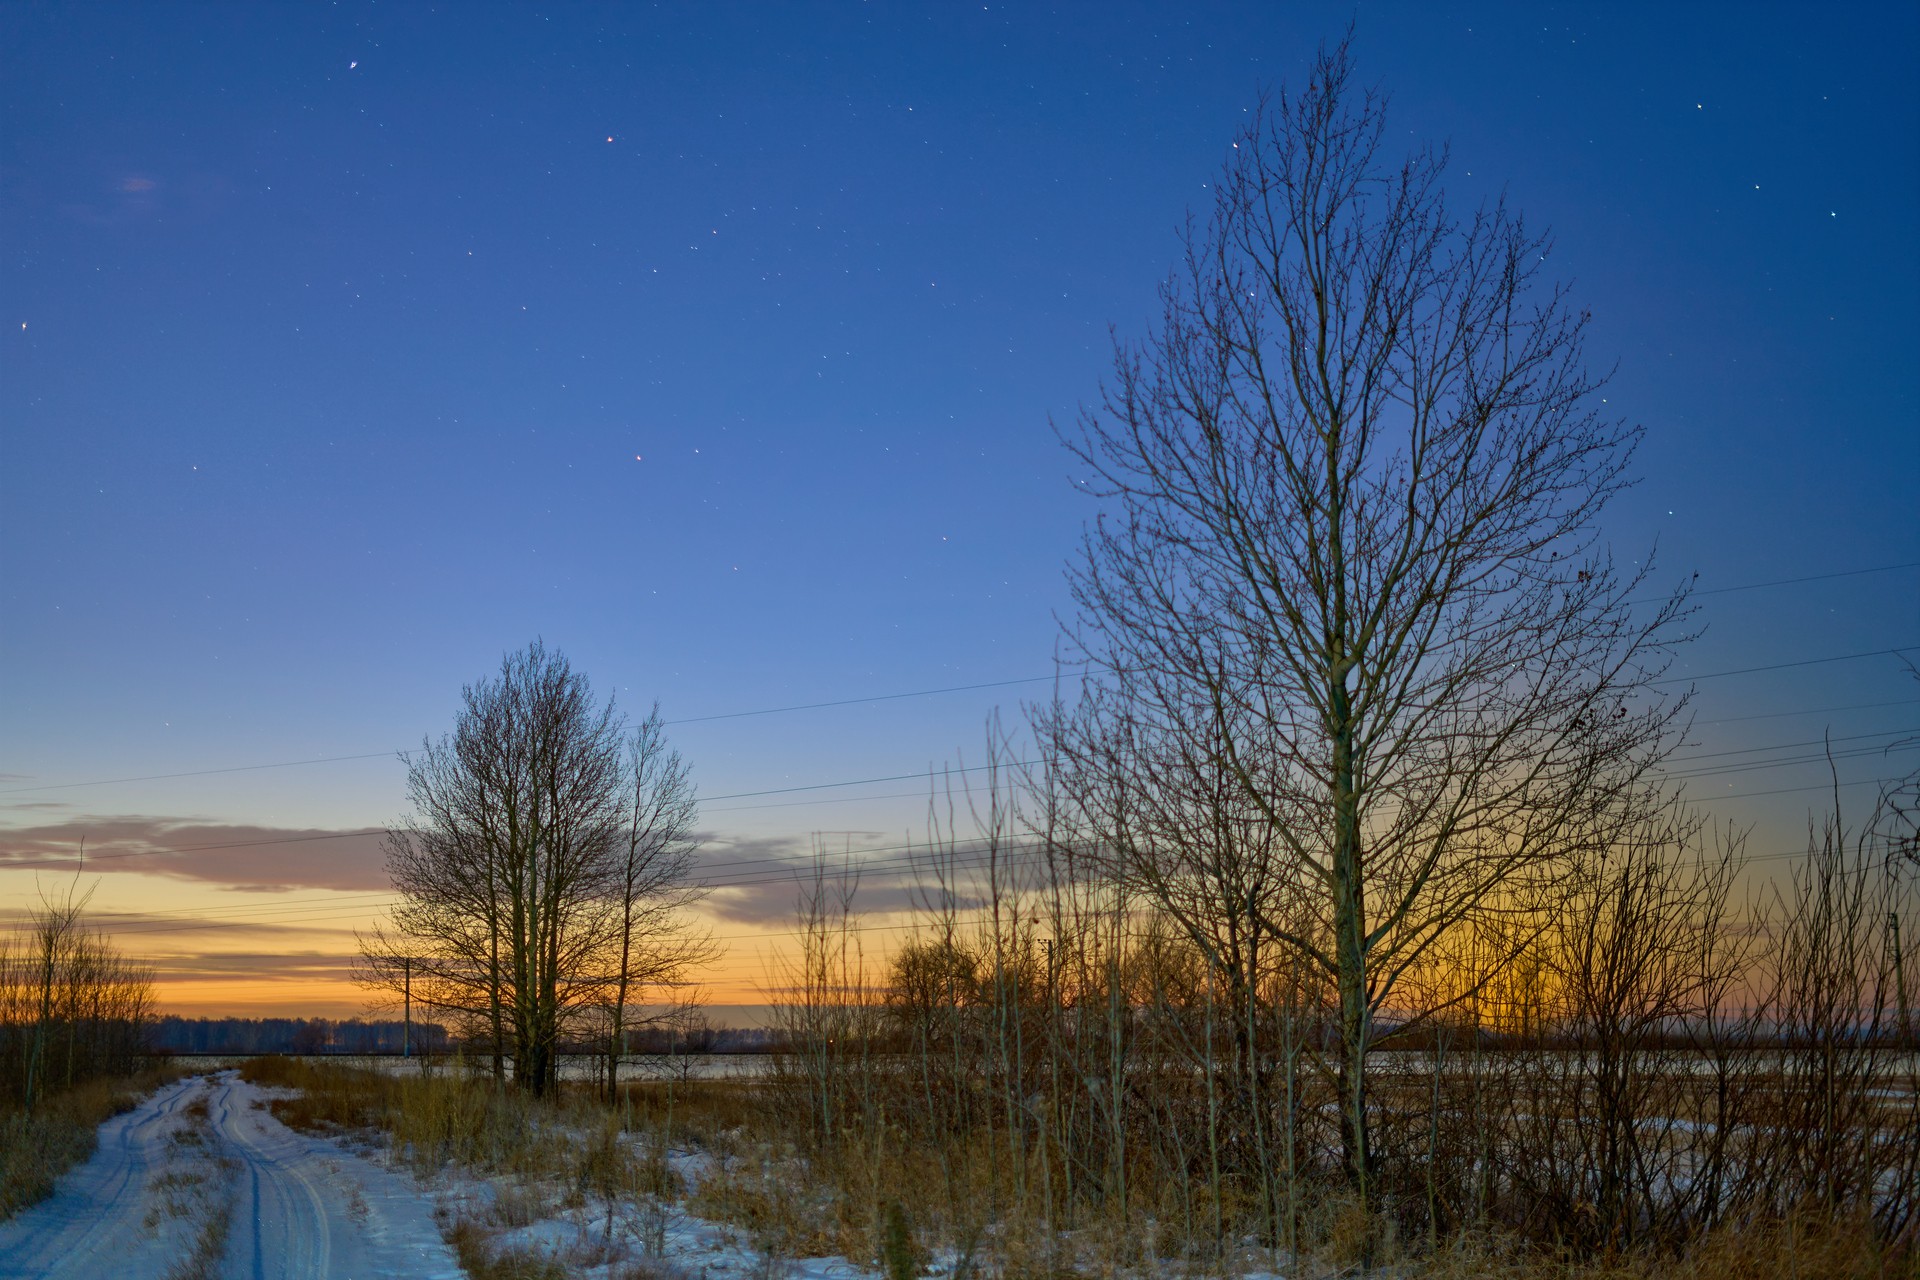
(37, 1147)
(1665, 1076)
(569, 1151)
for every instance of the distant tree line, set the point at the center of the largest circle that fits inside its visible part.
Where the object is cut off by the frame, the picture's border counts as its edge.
(359, 1036)
(293, 1035)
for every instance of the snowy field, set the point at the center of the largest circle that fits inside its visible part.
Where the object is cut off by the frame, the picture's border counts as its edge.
(201, 1180)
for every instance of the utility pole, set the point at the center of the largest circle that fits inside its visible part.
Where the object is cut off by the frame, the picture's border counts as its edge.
(406, 1034)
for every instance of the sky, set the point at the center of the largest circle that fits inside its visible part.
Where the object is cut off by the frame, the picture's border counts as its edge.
(344, 349)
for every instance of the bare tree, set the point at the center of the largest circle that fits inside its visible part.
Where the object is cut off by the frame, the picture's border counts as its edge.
(652, 885)
(72, 1007)
(1348, 569)
(532, 874)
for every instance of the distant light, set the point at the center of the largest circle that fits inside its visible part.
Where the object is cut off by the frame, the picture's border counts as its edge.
(609, 137)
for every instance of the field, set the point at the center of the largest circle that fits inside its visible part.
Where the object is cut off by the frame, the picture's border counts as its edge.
(721, 1175)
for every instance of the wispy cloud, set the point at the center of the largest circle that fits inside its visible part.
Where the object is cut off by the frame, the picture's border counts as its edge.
(238, 855)
(758, 880)
(256, 967)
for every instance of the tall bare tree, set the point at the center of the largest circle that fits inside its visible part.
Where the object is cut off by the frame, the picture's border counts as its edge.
(530, 874)
(1347, 580)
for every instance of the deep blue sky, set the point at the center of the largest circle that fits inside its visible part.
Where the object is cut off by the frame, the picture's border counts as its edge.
(321, 384)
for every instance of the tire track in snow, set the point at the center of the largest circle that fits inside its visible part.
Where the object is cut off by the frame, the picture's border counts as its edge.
(306, 1208)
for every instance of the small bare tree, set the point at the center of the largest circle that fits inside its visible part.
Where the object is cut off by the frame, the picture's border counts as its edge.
(72, 1007)
(653, 884)
(1348, 580)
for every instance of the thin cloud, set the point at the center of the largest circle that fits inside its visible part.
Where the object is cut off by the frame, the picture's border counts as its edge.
(759, 880)
(236, 855)
(256, 967)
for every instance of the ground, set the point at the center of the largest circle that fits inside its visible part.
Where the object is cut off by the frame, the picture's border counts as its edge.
(201, 1181)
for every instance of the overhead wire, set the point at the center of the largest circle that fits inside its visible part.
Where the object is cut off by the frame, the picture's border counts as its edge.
(375, 755)
(886, 697)
(1716, 771)
(934, 775)
(1785, 582)
(1811, 711)
(907, 859)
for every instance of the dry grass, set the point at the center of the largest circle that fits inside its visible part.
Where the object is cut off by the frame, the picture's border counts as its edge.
(783, 1211)
(484, 1259)
(707, 1114)
(879, 1198)
(209, 1243)
(36, 1149)
(1801, 1247)
(570, 1153)
(431, 1121)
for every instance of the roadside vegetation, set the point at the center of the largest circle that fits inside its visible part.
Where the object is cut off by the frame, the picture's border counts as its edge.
(513, 1158)
(1670, 1077)
(1665, 1073)
(74, 1014)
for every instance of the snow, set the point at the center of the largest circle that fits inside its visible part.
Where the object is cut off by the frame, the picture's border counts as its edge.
(348, 1205)
(299, 1206)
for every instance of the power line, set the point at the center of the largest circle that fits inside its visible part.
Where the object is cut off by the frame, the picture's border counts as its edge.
(1781, 746)
(973, 862)
(934, 775)
(1786, 791)
(195, 773)
(1816, 758)
(854, 861)
(1787, 582)
(802, 804)
(880, 697)
(1796, 762)
(375, 755)
(924, 693)
(1782, 666)
(1812, 711)
(861, 782)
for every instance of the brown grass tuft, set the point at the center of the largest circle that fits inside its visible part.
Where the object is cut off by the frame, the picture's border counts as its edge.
(484, 1259)
(36, 1149)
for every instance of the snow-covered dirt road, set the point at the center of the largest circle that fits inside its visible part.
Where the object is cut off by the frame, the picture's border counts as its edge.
(202, 1168)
